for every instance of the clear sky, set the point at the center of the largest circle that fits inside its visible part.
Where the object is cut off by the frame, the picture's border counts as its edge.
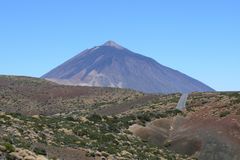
(200, 38)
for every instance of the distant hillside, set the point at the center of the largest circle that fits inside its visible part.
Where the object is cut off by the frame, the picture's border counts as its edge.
(31, 96)
(111, 65)
(40, 118)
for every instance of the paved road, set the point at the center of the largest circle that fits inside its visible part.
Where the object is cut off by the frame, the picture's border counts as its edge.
(182, 102)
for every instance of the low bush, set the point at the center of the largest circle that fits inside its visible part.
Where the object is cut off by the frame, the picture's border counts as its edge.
(224, 114)
(95, 118)
(40, 151)
(9, 147)
(144, 117)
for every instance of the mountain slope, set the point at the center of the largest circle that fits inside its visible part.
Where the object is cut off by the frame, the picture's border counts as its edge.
(73, 122)
(31, 96)
(111, 65)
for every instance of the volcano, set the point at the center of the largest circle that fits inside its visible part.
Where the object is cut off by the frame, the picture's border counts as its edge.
(111, 65)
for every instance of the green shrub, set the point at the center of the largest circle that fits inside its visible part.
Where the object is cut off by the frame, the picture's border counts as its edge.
(167, 144)
(40, 151)
(107, 138)
(95, 118)
(224, 114)
(70, 119)
(127, 131)
(9, 147)
(90, 154)
(173, 112)
(161, 115)
(144, 117)
(234, 95)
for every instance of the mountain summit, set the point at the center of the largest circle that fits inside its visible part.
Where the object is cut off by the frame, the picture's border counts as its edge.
(113, 44)
(111, 65)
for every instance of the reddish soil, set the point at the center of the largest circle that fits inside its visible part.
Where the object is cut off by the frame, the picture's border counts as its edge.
(66, 153)
(31, 96)
(201, 133)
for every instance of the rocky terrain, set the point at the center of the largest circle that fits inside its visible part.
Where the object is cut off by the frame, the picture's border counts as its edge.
(43, 120)
(31, 96)
(208, 129)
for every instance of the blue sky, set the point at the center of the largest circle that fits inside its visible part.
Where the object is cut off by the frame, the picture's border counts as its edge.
(200, 38)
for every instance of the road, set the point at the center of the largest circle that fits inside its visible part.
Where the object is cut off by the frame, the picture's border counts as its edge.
(182, 102)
